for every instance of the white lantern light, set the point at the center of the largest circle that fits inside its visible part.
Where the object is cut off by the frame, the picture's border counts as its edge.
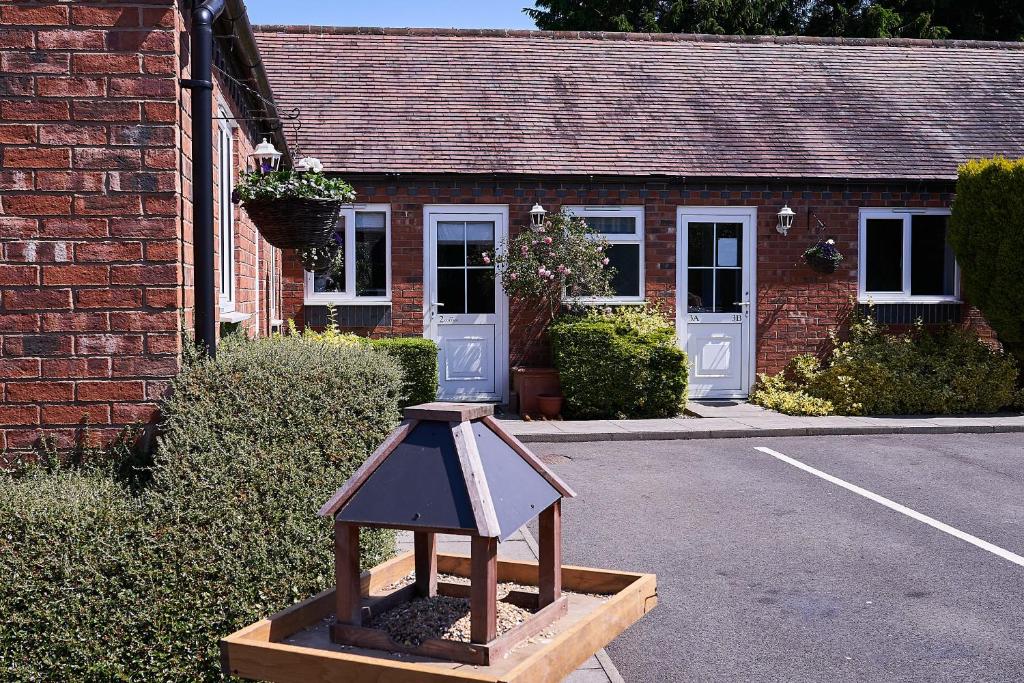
(786, 216)
(537, 214)
(266, 156)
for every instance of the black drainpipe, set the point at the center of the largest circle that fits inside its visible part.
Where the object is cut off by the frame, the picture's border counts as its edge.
(201, 84)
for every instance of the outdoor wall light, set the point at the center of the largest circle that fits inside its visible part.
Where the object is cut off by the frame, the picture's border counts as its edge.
(537, 214)
(786, 216)
(266, 157)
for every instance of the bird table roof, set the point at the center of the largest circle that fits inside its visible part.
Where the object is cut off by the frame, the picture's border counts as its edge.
(449, 467)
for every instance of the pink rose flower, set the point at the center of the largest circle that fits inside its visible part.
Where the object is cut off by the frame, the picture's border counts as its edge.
(547, 240)
(604, 261)
(513, 276)
(487, 260)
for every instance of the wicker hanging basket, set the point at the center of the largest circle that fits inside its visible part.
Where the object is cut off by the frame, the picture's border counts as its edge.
(821, 264)
(295, 223)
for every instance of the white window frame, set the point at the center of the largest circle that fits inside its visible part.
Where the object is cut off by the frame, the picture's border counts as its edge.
(348, 297)
(636, 212)
(863, 295)
(226, 221)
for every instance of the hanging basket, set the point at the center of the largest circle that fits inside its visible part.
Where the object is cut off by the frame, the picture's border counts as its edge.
(295, 223)
(821, 264)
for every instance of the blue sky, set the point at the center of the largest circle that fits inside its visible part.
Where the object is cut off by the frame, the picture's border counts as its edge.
(419, 13)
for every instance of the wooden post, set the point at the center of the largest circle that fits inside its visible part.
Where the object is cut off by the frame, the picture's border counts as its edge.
(483, 590)
(425, 546)
(550, 547)
(348, 602)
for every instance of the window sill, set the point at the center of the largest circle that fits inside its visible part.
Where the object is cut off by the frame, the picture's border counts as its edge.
(346, 302)
(234, 316)
(605, 302)
(867, 300)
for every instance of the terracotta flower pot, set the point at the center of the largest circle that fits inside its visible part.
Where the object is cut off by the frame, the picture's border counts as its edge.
(550, 405)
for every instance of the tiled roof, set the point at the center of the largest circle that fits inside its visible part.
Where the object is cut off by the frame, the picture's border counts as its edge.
(512, 102)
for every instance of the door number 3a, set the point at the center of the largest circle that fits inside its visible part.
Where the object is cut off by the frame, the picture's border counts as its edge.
(694, 318)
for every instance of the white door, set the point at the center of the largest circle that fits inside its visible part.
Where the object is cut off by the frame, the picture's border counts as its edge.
(716, 298)
(465, 308)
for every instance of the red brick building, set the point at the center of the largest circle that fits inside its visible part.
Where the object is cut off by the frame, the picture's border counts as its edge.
(681, 150)
(95, 209)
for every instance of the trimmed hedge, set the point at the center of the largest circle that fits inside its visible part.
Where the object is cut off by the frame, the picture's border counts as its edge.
(619, 366)
(418, 358)
(986, 232)
(104, 585)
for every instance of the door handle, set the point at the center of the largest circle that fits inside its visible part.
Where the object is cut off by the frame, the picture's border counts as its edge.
(434, 306)
(740, 303)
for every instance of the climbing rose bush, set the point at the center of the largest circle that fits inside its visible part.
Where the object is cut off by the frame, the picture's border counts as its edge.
(556, 258)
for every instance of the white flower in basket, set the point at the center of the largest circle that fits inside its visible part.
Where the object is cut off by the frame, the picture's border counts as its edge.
(309, 164)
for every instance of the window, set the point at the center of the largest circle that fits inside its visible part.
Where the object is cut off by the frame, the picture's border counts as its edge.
(905, 256)
(623, 227)
(227, 215)
(363, 273)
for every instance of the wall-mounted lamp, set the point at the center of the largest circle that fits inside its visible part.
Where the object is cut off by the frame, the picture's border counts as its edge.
(266, 157)
(786, 216)
(537, 214)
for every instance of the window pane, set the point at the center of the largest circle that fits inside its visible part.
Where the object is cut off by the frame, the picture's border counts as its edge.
(479, 239)
(883, 255)
(699, 291)
(451, 290)
(371, 254)
(333, 279)
(611, 225)
(701, 243)
(932, 266)
(451, 240)
(729, 245)
(728, 291)
(480, 292)
(625, 258)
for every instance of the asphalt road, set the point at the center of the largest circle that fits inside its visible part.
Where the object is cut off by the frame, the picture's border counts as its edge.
(769, 573)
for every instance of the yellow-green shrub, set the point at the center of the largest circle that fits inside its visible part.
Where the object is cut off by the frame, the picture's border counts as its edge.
(775, 393)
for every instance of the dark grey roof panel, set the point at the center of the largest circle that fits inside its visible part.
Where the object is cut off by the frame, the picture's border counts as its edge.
(518, 493)
(420, 484)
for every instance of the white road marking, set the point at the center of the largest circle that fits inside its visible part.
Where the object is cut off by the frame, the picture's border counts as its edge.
(902, 509)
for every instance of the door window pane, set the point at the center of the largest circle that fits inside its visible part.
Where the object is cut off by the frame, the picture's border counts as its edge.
(883, 254)
(625, 259)
(700, 290)
(451, 244)
(451, 290)
(932, 266)
(480, 290)
(729, 244)
(479, 240)
(728, 290)
(701, 241)
(371, 254)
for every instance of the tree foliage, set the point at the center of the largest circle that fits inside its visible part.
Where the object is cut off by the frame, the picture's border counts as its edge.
(987, 233)
(934, 19)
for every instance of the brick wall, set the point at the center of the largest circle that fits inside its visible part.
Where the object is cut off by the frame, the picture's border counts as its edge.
(796, 306)
(95, 216)
(89, 279)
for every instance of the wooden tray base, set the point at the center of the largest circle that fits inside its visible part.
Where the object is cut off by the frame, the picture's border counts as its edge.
(294, 646)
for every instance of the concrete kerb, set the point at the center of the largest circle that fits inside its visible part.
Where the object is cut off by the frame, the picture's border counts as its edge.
(745, 431)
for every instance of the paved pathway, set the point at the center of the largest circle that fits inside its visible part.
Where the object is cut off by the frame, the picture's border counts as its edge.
(729, 420)
(522, 546)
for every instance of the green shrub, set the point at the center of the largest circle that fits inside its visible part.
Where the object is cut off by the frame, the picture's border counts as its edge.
(986, 232)
(875, 372)
(224, 531)
(621, 365)
(418, 358)
(775, 393)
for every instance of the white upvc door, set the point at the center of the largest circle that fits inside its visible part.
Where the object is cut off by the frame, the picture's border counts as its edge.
(716, 298)
(465, 308)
